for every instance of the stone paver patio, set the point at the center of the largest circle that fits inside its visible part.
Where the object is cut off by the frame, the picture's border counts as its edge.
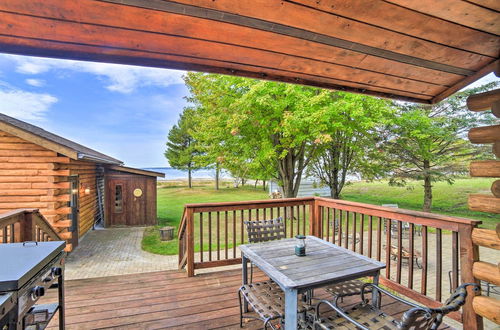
(114, 251)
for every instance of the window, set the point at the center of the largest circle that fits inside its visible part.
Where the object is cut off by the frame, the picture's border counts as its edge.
(118, 198)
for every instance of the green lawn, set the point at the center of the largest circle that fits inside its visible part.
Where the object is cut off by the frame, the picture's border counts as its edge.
(450, 200)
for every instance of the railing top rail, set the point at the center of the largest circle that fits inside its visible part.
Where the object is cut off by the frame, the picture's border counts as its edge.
(417, 214)
(262, 202)
(15, 212)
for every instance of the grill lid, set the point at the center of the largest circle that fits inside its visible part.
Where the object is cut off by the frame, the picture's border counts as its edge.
(18, 263)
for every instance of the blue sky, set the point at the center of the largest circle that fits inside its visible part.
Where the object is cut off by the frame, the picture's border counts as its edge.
(123, 111)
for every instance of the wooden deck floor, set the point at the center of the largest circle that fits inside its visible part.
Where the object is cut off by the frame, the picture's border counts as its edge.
(165, 299)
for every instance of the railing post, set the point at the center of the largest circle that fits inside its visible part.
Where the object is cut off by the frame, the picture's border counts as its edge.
(27, 228)
(190, 242)
(469, 253)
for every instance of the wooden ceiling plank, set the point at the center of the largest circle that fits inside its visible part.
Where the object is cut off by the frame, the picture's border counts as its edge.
(112, 37)
(181, 25)
(490, 4)
(403, 20)
(46, 48)
(292, 15)
(461, 12)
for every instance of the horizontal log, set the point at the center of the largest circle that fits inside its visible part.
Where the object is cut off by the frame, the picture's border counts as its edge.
(496, 149)
(66, 235)
(20, 205)
(25, 192)
(21, 146)
(483, 101)
(486, 237)
(485, 168)
(68, 248)
(48, 185)
(27, 153)
(38, 159)
(487, 134)
(486, 271)
(27, 166)
(484, 203)
(487, 307)
(20, 198)
(25, 178)
(15, 185)
(58, 198)
(495, 188)
(62, 224)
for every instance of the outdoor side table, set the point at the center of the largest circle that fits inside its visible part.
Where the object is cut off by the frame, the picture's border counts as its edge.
(325, 263)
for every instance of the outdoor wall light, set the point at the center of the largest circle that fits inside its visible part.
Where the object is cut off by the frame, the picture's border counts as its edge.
(74, 191)
(86, 191)
(300, 247)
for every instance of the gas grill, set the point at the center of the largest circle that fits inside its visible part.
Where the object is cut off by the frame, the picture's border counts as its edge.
(27, 271)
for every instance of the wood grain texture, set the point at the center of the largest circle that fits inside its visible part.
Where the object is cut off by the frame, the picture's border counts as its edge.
(495, 188)
(484, 203)
(485, 168)
(487, 307)
(483, 101)
(486, 237)
(486, 134)
(486, 271)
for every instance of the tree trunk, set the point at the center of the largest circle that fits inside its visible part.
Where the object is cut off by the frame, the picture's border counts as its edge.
(427, 188)
(255, 184)
(264, 185)
(190, 184)
(217, 170)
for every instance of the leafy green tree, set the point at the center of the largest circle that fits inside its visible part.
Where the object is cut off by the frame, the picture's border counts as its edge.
(429, 144)
(276, 126)
(181, 146)
(355, 125)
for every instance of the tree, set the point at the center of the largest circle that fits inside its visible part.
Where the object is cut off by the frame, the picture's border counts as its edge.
(181, 146)
(355, 124)
(428, 143)
(276, 126)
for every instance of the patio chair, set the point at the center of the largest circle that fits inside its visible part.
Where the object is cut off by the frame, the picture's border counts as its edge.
(365, 316)
(267, 300)
(264, 231)
(405, 255)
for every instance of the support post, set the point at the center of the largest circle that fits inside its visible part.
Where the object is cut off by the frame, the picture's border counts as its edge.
(190, 242)
(27, 229)
(469, 253)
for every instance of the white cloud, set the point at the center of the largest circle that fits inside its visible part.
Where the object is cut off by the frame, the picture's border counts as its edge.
(35, 82)
(25, 105)
(119, 78)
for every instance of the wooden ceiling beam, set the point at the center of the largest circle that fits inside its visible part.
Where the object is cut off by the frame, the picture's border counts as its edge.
(54, 49)
(461, 12)
(409, 22)
(66, 31)
(180, 25)
(290, 16)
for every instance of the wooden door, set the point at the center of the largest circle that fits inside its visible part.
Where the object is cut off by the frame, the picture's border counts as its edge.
(137, 202)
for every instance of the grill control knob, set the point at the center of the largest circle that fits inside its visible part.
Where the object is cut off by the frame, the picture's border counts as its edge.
(37, 292)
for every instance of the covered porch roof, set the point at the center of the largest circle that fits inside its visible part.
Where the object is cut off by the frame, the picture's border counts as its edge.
(416, 51)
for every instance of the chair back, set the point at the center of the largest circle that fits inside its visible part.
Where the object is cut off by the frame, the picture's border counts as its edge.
(431, 318)
(265, 230)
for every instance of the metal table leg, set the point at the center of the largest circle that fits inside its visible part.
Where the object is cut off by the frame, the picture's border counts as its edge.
(244, 267)
(375, 292)
(290, 309)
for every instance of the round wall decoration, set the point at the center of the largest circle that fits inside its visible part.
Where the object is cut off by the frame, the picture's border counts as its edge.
(137, 192)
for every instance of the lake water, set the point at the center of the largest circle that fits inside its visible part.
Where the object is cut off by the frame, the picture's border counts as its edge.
(173, 174)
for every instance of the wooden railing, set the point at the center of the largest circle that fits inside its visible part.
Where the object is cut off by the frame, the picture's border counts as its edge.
(427, 255)
(25, 225)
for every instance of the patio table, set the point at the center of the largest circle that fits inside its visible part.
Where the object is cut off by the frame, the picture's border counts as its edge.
(325, 263)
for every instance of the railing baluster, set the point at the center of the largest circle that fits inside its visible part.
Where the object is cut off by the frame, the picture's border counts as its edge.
(353, 243)
(370, 230)
(298, 219)
(400, 252)
(334, 224)
(327, 223)
(411, 242)
(218, 235)
(388, 223)
(242, 227)
(209, 236)
(439, 263)
(362, 234)
(257, 214)
(423, 288)
(340, 227)
(346, 240)
(226, 244)
(304, 219)
(379, 239)
(234, 234)
(454, 261)
(285, 219)
(272, 212)
(201, 236)
(291, 221)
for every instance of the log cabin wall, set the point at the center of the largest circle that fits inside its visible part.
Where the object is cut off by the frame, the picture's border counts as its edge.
(32, 176)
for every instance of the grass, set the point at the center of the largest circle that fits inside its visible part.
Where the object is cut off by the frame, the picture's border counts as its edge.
(449, 200)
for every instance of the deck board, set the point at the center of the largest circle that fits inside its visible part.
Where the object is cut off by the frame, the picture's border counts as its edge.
(165, 299)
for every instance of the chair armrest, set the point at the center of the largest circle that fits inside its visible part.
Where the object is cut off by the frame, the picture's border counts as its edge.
(339, 312)
(376, 287)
